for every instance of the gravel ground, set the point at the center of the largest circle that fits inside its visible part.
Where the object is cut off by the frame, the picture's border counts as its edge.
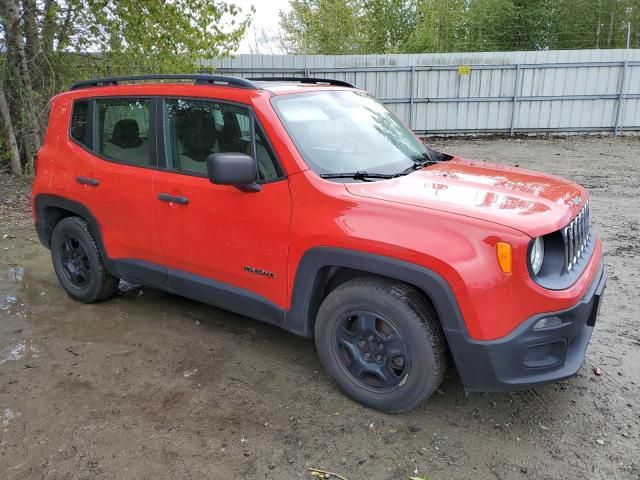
(150, 385)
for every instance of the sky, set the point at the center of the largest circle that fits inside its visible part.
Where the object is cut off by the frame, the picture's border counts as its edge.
(265, 19)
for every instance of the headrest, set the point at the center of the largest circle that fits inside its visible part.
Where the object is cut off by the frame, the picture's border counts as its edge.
(126, 134)
(197, 131)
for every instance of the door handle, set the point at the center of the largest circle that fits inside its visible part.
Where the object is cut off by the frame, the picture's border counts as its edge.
(94, 182)
(165, 197)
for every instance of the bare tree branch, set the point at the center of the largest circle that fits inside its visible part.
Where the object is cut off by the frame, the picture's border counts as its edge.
(16, 54)
(9, 133)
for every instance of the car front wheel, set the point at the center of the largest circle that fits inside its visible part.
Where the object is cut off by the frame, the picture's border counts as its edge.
(381, 343)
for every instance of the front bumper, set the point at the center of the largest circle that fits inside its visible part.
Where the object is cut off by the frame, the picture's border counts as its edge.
(529, 357)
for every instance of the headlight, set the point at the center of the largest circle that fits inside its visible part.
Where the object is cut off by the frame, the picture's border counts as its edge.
(537, 255)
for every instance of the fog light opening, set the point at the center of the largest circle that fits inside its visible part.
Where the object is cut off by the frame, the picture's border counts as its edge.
(545, 354)
(547, 322)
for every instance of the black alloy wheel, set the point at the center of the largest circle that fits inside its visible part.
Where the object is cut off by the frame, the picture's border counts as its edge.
(78, 263)
(382, 343)
(372, 350)
(75, 262)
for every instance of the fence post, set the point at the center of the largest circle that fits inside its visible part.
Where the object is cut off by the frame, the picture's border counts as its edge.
(619, 106)
(515, 100)
(412, 97)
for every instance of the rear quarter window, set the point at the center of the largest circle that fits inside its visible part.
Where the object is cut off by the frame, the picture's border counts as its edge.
(79, 127)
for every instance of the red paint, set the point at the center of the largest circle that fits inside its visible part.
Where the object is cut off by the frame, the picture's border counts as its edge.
(446, 217)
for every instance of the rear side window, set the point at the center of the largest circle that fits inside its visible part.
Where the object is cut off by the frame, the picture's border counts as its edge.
(80, 122)
(123, 130)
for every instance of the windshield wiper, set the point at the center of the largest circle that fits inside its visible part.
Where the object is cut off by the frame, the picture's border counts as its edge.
(359, 175)
(418, 163)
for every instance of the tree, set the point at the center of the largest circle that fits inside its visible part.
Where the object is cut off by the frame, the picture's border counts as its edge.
(347, 26)
(151, 35)
(9, 133)
(488, 25)
(413, 26)
(532, 24)
(440, 27)
(329, 27)
(47, 44)
(387, 24)
(21, 80)
(596, 23)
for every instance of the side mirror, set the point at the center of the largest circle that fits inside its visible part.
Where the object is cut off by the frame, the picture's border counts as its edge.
(237, 169)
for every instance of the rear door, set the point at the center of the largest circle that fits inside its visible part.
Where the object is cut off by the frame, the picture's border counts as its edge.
(217, 232)
(115, 160)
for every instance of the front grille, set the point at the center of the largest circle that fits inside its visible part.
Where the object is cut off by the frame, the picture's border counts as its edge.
(576, 237)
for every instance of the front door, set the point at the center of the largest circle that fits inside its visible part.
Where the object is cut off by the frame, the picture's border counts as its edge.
(217, 234)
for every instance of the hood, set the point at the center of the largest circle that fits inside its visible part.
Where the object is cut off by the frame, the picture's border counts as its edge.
(534, 203)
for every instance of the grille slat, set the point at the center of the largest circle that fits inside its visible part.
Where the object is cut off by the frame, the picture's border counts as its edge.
(576, 241)
(567, 250)
(570, 264)
(581, 232)
(576, 238)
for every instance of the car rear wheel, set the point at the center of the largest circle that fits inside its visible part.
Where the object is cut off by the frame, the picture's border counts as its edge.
(77, 262)
(381, 343)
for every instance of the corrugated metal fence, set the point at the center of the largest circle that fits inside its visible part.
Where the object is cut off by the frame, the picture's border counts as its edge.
(499, 92)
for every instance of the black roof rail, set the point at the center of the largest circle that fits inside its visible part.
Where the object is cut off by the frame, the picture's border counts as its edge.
(330, 81)
(199, 79)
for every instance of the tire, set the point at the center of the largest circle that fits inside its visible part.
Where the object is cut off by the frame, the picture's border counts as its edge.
(77, 262)
(357, 318)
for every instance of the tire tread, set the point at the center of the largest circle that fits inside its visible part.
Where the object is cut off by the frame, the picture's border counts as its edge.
(413, 303)
(107, 282)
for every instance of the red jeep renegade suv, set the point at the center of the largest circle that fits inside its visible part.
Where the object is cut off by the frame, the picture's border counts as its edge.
(306, 204)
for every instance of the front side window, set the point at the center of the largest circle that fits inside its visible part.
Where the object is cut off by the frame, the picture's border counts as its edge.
(123, 130)
(347, 131)
(194, 129)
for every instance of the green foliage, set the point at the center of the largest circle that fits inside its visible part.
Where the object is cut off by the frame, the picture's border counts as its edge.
(487, 24)
(597, 24)
(138, 36)
(330, 27)
(532, 25)
(387, 23)
(412, 26)
(347, 26)
(45, 45)
(439, 28)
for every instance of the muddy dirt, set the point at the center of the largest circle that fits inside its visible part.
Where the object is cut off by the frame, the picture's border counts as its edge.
(153, 386)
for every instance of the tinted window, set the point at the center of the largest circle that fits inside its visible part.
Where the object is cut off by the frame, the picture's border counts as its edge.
(123, 129)
(79, 121)
(197, 128)
(268, 167)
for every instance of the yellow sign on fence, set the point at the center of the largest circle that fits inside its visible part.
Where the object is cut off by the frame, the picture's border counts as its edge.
(464, 70)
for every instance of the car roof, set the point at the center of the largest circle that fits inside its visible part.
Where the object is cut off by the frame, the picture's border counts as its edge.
(287, 88)
(274, 85)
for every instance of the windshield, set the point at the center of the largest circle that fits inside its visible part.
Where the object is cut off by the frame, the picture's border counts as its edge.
(348, 131)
